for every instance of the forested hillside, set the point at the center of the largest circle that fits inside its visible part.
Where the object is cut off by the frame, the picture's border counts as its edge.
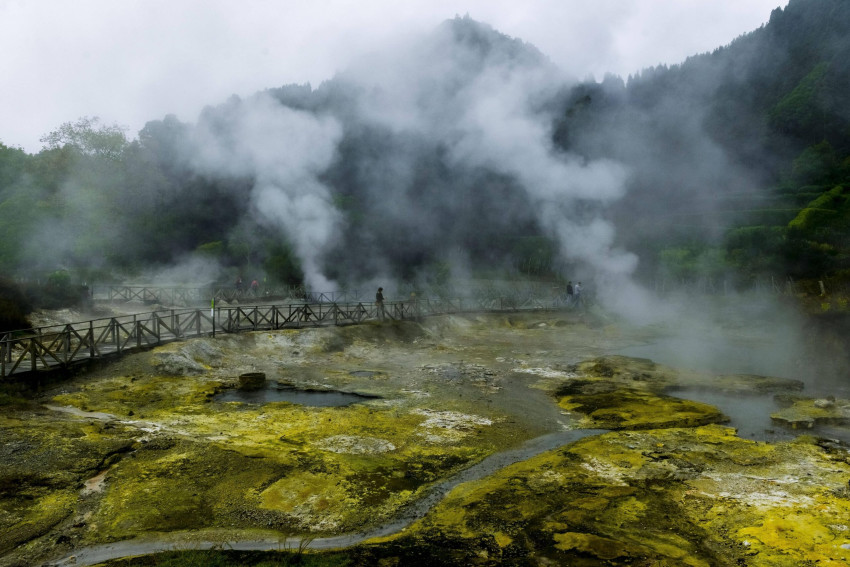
(467, 153)
(740, 157)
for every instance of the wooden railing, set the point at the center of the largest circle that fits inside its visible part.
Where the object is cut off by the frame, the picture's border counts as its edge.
(195, 296)
(185, 296)
(46, 348)
(61, 346)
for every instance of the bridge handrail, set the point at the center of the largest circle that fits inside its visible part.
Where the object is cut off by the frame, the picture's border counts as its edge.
(51, 346)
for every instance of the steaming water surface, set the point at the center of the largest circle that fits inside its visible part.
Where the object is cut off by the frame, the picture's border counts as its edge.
(717, 355)
(748, 413)
(763, 351)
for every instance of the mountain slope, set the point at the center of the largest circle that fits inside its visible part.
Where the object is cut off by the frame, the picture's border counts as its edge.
(720, 141)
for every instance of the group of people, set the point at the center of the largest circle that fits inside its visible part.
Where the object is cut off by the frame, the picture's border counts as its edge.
(573, 293)
(255, 286)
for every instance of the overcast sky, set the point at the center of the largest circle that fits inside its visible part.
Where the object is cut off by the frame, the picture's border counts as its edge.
(130, 61)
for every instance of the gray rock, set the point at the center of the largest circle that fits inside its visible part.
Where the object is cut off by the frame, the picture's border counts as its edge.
(252, 380)
(176, 364)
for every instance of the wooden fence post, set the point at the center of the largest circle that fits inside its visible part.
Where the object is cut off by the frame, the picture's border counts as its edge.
(113, 326)
(66, 346)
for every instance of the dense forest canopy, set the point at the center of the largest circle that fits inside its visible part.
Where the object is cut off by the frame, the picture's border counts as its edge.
(466, 153)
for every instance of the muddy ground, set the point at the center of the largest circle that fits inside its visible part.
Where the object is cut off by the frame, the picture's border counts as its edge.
(146, 449)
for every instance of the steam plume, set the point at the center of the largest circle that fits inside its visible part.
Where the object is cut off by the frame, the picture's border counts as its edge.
(283, 151)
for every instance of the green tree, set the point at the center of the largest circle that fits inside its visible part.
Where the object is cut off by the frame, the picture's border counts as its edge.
(13, 164)
(89, 137)
(282, 265)
(80, 178)
(816, 164)
(14, 307)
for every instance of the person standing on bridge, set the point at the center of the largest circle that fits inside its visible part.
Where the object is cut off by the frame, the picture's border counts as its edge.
(379, 303)
(414, 305)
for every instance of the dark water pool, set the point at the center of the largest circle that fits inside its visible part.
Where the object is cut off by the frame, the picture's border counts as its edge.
(319, 398)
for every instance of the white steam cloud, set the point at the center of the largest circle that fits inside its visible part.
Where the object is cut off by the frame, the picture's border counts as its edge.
(283, 151)
(474, 94)
(485, 112)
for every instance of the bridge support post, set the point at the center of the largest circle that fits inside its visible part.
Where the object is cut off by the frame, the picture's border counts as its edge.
(113, 324)
(66, 344)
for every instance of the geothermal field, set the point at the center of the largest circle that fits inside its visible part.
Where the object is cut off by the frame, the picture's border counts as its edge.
(522, 438)
(615, 240)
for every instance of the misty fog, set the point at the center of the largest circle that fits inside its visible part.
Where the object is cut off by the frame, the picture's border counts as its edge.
(461, 154)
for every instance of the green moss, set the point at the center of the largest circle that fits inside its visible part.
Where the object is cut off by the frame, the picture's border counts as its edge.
(676, 496)
(805, 413)
(145, 395)
(280, 465)
(589, 544)
(31, 513)
(624, 369)
(183, 485)
(61, 452)
(636, 409)
(42, 470)
(797, 537)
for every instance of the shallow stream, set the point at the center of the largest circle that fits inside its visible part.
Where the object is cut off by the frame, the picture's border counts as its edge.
(406, 516)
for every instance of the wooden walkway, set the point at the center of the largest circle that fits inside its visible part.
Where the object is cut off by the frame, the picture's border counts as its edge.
(60, 347)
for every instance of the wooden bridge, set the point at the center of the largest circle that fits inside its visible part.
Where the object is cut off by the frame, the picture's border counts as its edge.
(63, 346)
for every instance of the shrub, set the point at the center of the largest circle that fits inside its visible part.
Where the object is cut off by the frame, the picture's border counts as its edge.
(14, 307)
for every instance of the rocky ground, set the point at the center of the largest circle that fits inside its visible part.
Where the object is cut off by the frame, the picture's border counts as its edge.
(146, 448)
